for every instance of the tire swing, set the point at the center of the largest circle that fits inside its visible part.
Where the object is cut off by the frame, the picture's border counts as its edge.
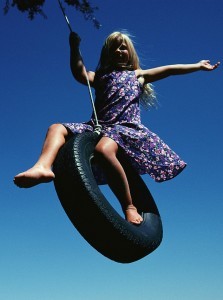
(92, 214)
(89, 210)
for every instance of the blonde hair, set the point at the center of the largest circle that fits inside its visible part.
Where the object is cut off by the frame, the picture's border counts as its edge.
(148, 98)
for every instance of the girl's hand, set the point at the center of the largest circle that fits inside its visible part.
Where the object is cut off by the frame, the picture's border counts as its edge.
(74, 40)
(206, 66)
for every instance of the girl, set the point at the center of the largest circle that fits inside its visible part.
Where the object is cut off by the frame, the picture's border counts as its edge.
(120, 86)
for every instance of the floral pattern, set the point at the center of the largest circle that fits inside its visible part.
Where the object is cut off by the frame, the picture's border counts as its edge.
(118, 111)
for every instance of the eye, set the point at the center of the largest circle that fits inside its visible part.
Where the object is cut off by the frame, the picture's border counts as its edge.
(123, 47)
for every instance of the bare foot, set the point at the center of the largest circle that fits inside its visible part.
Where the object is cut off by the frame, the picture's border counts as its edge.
(34, 176)
(132, 215)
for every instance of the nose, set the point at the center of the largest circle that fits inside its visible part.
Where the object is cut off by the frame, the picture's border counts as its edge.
(119, 52)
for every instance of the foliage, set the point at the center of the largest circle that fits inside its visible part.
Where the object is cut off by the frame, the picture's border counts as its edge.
(34, 7)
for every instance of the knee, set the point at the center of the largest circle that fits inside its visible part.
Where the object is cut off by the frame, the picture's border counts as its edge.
(100, 151)
(104, 151)
(57, 129)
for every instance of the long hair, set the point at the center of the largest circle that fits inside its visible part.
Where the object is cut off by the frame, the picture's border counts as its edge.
(148, 98)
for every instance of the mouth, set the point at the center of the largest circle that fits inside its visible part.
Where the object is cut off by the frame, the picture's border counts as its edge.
(120, 60)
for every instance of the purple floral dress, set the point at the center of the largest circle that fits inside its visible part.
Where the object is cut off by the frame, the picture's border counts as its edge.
(118, 111)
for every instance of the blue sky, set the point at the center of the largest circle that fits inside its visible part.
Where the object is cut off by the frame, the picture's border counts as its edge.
(42, 256)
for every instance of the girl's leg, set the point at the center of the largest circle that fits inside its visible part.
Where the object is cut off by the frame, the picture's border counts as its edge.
(105, 152)
(41, 172)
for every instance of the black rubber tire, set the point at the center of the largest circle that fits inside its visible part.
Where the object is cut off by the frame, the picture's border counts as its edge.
(92, 214)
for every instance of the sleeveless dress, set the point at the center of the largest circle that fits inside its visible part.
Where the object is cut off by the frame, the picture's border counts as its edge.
(117, 104)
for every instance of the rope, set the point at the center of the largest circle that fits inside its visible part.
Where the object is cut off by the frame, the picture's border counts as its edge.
(97, 126)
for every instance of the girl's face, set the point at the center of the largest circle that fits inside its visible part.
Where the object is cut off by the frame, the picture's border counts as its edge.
(119, 53)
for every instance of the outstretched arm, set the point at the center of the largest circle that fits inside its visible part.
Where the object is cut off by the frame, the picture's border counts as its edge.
(158, 73)
(76, 62)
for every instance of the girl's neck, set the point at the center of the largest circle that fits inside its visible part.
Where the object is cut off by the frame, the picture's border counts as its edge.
(121, 68)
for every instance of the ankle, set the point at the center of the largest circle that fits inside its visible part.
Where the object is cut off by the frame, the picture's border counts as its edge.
(42, 166)
(130, 206)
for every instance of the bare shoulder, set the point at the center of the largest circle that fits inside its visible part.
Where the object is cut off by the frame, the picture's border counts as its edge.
(139, 75)
(91, 76)
(150, 75)
(138, 72)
